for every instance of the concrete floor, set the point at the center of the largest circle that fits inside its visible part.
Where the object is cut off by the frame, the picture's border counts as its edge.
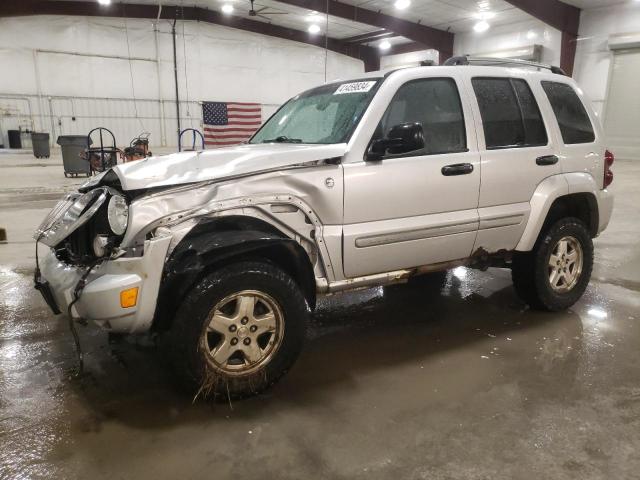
(398, 382)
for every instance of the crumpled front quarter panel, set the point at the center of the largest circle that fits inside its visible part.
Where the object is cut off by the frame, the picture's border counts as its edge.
(310, 185)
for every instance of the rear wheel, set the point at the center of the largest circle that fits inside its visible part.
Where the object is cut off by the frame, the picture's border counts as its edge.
(239, 330)
(555, 274)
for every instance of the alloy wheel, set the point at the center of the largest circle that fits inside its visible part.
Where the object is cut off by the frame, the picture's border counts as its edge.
(565, 264)
(243, 332)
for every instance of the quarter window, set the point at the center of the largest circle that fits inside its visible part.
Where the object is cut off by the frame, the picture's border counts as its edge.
(572, 117)
(435, 104)
(510, 115)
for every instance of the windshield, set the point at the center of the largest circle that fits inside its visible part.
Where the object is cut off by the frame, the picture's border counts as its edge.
(327, 114)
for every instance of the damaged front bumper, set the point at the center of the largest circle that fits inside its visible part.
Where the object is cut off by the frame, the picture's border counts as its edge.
(100, 300)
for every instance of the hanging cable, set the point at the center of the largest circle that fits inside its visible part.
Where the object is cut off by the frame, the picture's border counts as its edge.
(175, 74)
(326, 40)
(184, 54)
(133, 90)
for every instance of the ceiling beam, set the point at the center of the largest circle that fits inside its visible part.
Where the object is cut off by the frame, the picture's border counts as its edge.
(429, 36)
(406, 48)
(561, 16)
(555, 13)
(370, 37)
(170, 12)
(568, 46)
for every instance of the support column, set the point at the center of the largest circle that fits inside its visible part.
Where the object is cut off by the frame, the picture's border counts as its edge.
(568, 46)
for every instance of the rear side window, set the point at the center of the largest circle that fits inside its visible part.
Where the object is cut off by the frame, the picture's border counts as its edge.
(510, 114)
(435, 104)
(573, 120)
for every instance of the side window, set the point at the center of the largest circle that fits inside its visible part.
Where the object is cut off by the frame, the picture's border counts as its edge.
(510, 114)
(573, 120)
(435, 104)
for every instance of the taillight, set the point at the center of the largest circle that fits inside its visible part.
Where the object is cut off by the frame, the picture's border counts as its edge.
(608, 174)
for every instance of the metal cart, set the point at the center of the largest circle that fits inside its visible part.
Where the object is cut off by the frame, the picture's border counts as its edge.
(194, 139)
(102, 157)
(138, 148)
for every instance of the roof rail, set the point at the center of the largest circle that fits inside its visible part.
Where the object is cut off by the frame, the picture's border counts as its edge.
(492, 61)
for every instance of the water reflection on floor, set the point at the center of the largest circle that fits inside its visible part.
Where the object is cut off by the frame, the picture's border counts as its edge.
(390, 375)
(458, 380)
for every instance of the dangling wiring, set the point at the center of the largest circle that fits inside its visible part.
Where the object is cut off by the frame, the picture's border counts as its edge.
(77, 293)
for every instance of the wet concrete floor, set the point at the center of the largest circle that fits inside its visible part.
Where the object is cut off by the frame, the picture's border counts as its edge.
(411, 382)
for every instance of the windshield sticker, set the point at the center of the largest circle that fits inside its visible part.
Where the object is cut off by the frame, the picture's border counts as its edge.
(354, 87)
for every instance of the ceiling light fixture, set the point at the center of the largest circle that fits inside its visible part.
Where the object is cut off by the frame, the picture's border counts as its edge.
(227, 8)
(384, 45)
(104, 2)
(402, 4)
(484, 15)
(481, 26)
(313, 29)
(314, 17)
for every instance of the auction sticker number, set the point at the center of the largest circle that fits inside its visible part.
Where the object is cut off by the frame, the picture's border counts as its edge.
(354, 87)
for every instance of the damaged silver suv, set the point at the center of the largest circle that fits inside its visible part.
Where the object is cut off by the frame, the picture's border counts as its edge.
(352, 184)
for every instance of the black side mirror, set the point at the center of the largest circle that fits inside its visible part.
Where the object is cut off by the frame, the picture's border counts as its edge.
(402, 138)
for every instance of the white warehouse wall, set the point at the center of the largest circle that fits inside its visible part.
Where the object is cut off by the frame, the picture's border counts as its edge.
(56, 68)
(408, 59)
(509, 37)
(593, 57)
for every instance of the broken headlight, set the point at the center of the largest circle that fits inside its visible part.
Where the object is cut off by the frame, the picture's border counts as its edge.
(69, 215)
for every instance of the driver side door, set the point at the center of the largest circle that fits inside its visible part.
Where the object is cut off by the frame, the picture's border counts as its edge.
(421, 207)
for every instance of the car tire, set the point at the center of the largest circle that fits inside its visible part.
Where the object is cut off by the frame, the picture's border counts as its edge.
(199, 339)
(554, 275)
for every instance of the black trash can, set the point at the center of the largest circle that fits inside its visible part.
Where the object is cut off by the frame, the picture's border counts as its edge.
(40, 142)
(14, 139)
(72, 146)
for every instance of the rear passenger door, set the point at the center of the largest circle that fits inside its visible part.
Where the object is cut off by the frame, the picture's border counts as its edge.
(516, 154)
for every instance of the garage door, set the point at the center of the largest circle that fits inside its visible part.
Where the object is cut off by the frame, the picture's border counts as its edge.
(622, 116)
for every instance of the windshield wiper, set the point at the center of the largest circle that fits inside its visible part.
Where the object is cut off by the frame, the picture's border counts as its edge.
(283, 139)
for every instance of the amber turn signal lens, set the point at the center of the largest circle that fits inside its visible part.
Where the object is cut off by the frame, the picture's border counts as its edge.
(129, 297)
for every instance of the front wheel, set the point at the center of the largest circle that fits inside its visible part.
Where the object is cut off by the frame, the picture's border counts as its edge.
(555, 274)
(238, 331)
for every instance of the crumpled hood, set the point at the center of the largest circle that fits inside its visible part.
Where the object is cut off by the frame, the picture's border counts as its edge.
(188, 167)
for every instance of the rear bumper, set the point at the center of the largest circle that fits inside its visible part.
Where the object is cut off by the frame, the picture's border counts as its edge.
(100, 298)
(605, 208)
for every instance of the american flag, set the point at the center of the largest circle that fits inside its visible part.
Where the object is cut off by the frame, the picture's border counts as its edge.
(230, 123)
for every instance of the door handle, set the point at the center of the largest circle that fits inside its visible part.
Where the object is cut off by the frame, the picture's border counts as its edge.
(457, 169)
(547, 160)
